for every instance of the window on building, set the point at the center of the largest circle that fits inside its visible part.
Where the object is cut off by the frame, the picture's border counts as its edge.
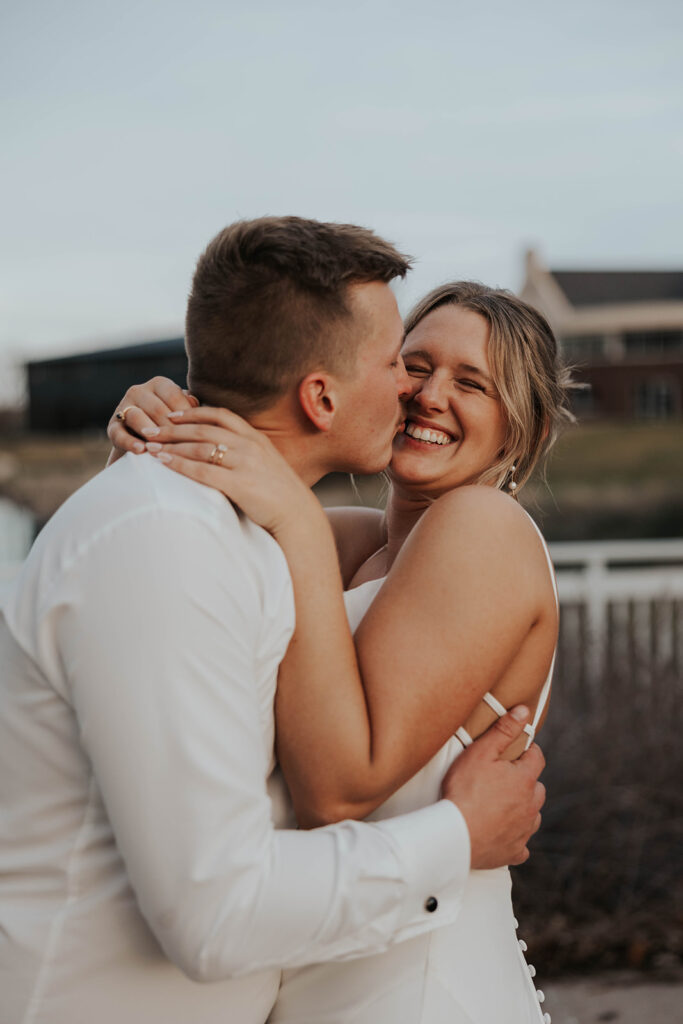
(657, 398)
(583, 348)
(653, 343)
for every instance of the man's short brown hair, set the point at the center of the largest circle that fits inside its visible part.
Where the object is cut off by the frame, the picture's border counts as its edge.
(269, 303)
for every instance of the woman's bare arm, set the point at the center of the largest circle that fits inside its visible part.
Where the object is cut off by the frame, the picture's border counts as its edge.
(447, 623)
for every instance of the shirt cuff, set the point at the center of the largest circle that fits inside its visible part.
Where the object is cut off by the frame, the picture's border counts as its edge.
(433, 847)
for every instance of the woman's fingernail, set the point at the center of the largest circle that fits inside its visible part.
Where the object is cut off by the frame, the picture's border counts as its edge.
(153, 446)
(175, 413)
(150, 431)
(164, 457)
(520, 713)
(138, 447)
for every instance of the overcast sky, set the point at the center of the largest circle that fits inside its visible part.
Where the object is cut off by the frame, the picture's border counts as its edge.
(133, 131)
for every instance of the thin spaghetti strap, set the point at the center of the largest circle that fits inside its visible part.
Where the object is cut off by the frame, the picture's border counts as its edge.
(495, 704)
(545, 692)
(464, 737)
(543, 698)
(548, 558)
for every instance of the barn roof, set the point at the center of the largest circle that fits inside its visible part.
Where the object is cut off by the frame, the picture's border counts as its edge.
(144, 350)
(603, 287)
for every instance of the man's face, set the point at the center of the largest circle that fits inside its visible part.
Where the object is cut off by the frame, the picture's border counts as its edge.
(369, 411)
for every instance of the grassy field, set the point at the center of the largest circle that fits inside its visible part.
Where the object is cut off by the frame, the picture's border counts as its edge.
(630, 455)
(609, 480)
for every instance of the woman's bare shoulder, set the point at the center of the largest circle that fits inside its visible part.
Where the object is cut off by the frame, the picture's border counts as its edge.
(479, 511)
(477, 530)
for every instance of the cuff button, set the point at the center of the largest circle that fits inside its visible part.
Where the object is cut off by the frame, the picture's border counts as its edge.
(431, 903)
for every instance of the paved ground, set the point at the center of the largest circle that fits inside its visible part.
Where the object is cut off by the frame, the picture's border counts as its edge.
(621, 998)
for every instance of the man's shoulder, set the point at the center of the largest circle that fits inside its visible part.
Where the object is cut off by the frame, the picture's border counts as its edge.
(139, 487)
(138, 497)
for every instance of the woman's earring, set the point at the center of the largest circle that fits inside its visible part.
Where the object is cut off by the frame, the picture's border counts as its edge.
(512, 483)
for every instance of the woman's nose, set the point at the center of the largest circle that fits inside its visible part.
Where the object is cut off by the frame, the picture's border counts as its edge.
(432, 394)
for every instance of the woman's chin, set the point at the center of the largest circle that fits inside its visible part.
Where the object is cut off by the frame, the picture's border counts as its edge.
(406, 471)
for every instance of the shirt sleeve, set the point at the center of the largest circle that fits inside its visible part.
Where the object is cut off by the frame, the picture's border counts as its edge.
(157, 629)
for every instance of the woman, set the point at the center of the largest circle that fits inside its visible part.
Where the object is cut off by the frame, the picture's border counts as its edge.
(453, 598)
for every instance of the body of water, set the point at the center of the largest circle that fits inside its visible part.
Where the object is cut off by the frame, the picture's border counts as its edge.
(17, 529)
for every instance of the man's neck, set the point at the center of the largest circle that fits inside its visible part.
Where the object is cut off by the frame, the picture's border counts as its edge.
(296, 446)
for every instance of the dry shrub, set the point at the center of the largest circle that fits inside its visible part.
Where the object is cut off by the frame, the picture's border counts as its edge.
(604, 885)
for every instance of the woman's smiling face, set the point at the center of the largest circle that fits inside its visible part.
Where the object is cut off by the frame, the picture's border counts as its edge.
(455, 425)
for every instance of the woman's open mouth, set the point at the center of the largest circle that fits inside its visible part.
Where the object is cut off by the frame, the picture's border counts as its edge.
(428, 435)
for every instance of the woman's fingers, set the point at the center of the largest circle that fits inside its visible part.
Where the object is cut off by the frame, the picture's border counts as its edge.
(175, 433)
(126, 433)
(203, 472)
(213, 453)
(143, 409)
(218, 417)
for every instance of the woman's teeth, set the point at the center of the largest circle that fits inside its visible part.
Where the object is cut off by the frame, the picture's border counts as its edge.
(423, 434)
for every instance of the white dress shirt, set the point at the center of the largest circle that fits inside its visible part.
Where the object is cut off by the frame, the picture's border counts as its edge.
(138, 854)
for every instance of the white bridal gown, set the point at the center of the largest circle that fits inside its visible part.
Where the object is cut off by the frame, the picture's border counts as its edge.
(470, 972)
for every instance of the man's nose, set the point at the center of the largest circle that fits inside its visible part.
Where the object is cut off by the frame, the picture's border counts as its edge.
(405, 384)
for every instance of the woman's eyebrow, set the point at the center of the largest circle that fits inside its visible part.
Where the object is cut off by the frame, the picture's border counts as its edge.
(417, 353)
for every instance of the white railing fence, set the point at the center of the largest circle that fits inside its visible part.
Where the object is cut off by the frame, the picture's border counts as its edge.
(621, 605)
(621, 611)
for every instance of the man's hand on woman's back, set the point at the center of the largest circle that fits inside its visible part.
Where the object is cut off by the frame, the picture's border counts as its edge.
(500, 799)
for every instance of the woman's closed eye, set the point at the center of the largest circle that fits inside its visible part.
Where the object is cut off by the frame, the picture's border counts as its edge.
(465, 382)
(417, 371)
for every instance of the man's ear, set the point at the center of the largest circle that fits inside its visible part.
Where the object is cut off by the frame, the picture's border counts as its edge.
(318, 399)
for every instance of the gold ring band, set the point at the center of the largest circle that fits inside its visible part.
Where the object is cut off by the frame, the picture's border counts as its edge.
(121, 413)
(216, 456)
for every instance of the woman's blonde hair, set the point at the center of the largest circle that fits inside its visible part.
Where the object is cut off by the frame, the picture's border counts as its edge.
(526, 368)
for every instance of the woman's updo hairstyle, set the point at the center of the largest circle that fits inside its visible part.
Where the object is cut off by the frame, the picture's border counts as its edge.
(526, 368)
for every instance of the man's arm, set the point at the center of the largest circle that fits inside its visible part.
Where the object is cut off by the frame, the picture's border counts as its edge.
(157, 628)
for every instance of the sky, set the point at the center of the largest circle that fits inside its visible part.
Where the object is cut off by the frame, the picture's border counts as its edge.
(465, 133)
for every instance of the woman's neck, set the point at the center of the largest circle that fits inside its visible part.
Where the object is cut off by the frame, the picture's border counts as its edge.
(403, 512)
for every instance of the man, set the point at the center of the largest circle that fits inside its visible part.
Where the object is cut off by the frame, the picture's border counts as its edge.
(140, 649)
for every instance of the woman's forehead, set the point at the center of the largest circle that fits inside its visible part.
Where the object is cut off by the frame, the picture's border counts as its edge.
(451, 333)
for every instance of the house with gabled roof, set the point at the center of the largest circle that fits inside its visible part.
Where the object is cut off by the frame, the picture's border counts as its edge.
(623, 332)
